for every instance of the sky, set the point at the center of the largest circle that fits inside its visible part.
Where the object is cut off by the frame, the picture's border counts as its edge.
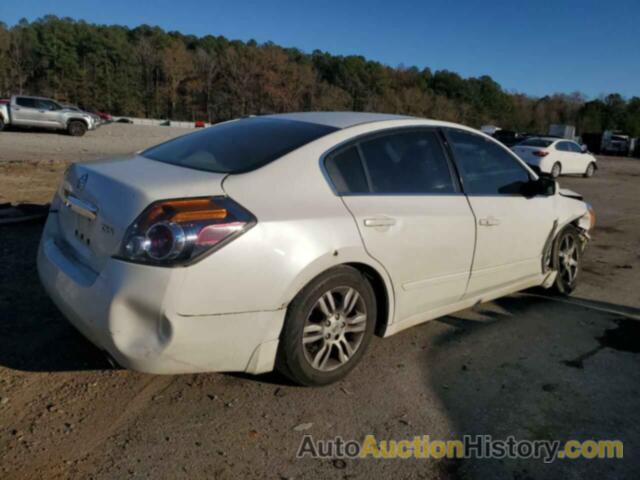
(533, 47)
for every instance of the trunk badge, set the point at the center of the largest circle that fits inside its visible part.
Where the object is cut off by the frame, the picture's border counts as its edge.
(82, 182)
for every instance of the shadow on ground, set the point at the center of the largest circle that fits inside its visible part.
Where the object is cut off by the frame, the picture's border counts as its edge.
(541, 368)
(524, 366)
(34, 336)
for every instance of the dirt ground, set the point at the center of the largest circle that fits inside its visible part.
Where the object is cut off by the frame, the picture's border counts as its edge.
(527, 365)
(31, 162)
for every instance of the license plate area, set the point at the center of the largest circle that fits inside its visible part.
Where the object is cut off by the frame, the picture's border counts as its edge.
(82, 228)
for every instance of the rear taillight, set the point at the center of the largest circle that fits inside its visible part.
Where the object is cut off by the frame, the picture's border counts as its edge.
(540, 153)
(179, 232)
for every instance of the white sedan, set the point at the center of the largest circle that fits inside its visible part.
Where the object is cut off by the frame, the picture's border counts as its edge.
(287, 241)
(556, 156)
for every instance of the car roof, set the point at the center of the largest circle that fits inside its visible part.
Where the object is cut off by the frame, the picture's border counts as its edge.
(340, 119)
(36, 98)
(549, 139)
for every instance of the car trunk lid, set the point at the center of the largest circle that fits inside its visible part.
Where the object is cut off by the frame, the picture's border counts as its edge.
(101, 199)
(528, 153)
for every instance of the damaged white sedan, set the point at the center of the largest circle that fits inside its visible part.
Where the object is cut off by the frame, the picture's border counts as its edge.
(287, 241)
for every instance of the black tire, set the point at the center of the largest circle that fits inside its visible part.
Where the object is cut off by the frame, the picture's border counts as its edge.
(566, 281)
(293, 359)
(590, 171)
(1, 124)
(556, 170)
(76, 128)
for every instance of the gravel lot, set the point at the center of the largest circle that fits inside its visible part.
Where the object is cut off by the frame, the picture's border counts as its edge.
(526, 365)
(31, 162)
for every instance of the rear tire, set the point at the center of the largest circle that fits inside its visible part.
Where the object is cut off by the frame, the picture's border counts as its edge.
(566, 258)
(76, 128)
(590, 171)
(1, 124)
(556, 170)
(328, 327)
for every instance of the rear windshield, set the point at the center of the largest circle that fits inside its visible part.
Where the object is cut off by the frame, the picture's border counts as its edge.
(536, 142)
(238, 146)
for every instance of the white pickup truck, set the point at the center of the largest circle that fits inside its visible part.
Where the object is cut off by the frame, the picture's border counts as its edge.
(39, 112)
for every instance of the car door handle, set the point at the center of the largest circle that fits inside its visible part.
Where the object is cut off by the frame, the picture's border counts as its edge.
(379, 222)
(489, 222)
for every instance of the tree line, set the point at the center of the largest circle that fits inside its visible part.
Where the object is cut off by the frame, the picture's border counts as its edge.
(146, 71)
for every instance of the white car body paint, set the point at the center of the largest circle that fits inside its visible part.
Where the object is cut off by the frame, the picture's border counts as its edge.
(571, 162)
(226, 311)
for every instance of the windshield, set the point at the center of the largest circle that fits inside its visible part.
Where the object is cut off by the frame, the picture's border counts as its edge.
(238, 146)
(536, 142)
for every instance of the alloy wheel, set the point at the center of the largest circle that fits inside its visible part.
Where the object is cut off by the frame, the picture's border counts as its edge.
(590, 170)
(334, 328)
(568, 259)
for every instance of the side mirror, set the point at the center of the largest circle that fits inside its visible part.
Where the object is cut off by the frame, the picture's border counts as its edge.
(584, 148)
(545, 185)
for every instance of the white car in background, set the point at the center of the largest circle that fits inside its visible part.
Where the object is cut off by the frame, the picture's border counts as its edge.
(288, 240)
(556, 156)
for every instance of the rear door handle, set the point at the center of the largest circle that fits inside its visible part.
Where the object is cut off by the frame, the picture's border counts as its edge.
(379, 222)
(489, 221)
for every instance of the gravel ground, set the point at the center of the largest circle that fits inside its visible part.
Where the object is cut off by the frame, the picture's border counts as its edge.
(31, 162)
(526, 365)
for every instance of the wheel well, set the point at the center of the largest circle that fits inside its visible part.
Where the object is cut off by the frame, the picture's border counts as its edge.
(381, 294)
(77, 120)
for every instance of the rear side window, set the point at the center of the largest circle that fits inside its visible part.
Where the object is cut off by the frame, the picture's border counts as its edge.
(407, 163)
(238, 146)
(562, 146)
(486, 168)
(410, 162)
(346, 172)
(26, 102)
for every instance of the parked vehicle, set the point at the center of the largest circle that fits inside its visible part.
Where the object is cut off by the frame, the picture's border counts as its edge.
(288, 240)
(593, 141)
(556, 156)
(508, 137)
(40, 112)
(490, 129)
(616, 143)
(562, 131)
(96, 118)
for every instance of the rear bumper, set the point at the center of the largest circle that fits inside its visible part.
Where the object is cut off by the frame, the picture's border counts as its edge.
(127, 310)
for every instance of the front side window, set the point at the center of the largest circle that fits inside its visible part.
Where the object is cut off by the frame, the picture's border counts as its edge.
(485, 167)
(47, 105)
(407, 163)
(574, 147)
(238, 146)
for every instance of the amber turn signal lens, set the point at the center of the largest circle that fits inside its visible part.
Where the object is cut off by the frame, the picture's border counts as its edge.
(189, 210)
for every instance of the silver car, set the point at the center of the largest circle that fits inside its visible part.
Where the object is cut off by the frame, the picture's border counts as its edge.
(40, 112)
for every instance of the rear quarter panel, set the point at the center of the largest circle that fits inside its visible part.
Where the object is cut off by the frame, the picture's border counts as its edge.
(303, 229)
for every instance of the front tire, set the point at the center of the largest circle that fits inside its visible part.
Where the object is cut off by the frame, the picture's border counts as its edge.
(76, 128)
(567, 260)
(328, 327)
(556, 170)
(1, 124)
(590, 171)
